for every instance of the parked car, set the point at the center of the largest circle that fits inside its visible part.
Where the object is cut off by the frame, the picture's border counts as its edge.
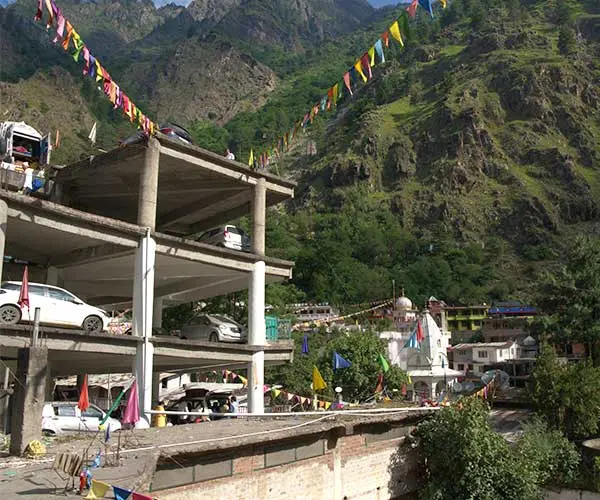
(59, 417)
(215, 328)
(168, 129)
(227, 236)
(57, 307)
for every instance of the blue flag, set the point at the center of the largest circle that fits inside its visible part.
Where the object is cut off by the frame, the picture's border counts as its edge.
(379, 50)
(412, 341)
(426, 4)
(121, 493)
(339, 362)
(305, 344)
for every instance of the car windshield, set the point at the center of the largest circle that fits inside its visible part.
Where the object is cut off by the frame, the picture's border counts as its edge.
(224, 319)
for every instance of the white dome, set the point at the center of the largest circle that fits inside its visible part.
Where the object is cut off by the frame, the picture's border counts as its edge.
(404, 303)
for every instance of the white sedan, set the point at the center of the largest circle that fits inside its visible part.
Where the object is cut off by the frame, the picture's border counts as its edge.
(57, 307)
(61, 417)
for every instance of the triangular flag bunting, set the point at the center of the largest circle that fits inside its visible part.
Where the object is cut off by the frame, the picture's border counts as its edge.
(385, 366)
(97, 490)
(84, 401)
(339, 362)
(318, 382)
(395, 32)
(121, 493)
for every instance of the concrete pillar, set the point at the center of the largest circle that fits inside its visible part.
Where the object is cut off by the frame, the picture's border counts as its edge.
(256, 337)
(3, 224)
(143, 300)
(259, 215)
(148, 194)
(52, 276)
(256, 301)
(32, 368)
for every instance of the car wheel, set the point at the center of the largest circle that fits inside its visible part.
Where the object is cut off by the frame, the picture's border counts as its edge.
(9, 314)
(93, 324)
(214, 337)
(183, 338)
(48, 433)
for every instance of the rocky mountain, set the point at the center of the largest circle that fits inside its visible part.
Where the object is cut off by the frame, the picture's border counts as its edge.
(458, 171)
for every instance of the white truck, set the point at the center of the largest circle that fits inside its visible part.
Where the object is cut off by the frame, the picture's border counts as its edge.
(20, 142)
(24, 158)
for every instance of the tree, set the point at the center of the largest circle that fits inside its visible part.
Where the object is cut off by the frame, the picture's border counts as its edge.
(465, 458)
(361, 349)
(567, 40)
(567, 395)
(569, 297)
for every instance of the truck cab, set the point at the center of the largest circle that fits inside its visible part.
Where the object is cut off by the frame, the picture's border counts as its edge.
(24, 158)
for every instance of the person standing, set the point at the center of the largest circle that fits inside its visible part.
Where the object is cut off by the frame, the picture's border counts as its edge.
(229, 155)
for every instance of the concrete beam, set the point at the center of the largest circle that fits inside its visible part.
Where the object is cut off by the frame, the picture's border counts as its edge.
(207, 187)
(206, 208)
(92, 254)
(228, 170)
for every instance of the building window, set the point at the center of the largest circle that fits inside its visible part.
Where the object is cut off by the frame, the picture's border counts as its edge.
(439, 343)
(461, 367)
(482, 354)
(165, 383)
(470, 367)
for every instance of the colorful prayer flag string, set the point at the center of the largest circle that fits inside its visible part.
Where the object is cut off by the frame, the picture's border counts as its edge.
(92, 66)
(362, 68)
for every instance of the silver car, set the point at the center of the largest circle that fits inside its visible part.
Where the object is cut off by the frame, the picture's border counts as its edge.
(227, 236)
(215, 328)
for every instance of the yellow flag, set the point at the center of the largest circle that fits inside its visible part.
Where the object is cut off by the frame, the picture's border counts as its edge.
(409, 379)
(444, 3)
(358, 68)
(318, 382)
(251, 159)
(327, 405)
(372, 56)
(98, 490)
(336, 93)
(276, 392)
(395, 32)
(99, 72)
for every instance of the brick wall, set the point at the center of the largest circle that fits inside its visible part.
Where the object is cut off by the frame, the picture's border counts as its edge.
(363, 465)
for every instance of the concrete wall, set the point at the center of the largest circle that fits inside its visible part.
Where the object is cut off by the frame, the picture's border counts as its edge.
(373, 463)
(571, 495)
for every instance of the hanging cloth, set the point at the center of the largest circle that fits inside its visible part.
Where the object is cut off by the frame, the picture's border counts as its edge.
(39, 13)
(386, 38)
(412, 8)
(347, 82)
(366, 64)
(395, 32)
(60, 31)
(372, 56)
(379, 50)
(78, 44)
(67, 39)
(359, 70)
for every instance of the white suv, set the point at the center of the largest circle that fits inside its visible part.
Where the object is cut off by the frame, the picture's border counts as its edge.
(60, 417)
(227, 236)
(57, 307)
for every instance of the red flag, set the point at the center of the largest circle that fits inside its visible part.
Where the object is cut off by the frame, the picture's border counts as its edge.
(386, 38)
(366, 64)
(404, 389)
(84, 400)
(347, 82)
(412, 8)
(420, 334)
(24, 294)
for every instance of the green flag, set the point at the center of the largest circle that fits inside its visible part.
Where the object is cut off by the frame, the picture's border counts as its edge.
(385, 366)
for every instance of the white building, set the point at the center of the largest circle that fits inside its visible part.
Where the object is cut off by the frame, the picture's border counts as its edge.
(426, 365)
(475, 357)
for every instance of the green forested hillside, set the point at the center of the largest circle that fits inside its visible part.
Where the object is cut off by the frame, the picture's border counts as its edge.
(458, 171)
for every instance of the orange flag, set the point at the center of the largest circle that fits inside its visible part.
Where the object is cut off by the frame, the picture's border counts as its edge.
(84, 400)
